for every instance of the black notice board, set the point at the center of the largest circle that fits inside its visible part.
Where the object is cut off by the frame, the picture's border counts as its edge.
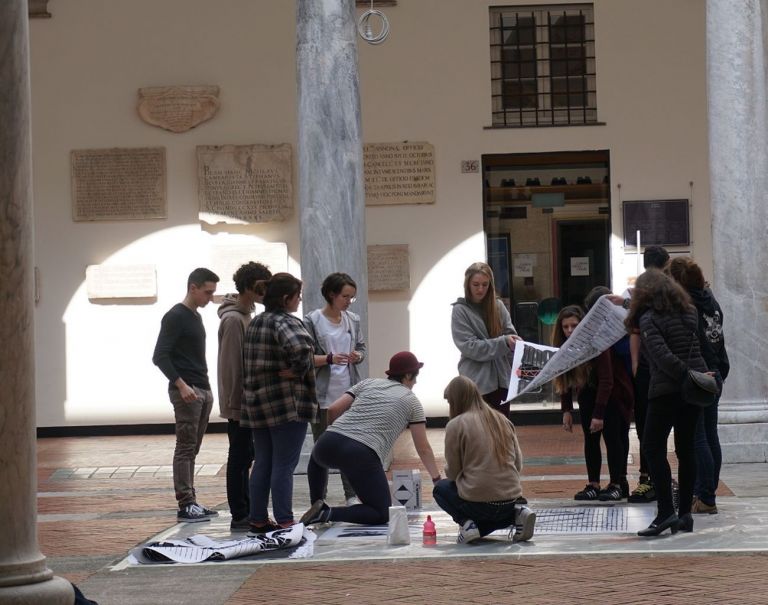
(661, 222)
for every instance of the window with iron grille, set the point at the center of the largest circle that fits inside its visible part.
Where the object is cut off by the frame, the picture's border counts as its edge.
(543, 65)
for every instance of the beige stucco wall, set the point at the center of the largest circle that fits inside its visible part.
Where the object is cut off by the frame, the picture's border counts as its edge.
(429, 82)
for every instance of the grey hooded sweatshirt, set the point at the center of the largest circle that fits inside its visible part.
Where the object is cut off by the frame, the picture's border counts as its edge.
(485, 360)
(235, 318)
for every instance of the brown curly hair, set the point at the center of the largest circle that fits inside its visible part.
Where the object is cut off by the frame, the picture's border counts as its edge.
(686, 272)
(656, 291)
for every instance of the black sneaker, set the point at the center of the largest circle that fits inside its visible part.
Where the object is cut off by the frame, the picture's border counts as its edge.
(612, 493)
(319, 512)
(644, 492)
(243, 524)
(207, 511)
(192, 513)
(624, 488)
(590, 492)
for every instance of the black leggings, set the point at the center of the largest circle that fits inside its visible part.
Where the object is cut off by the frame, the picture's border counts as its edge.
(615, 435)
(642, 382)
(363, 469)
(664, 413)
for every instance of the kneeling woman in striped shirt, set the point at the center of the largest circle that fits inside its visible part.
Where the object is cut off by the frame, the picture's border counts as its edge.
(364, 424)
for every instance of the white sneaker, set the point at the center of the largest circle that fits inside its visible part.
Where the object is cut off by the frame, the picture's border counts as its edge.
(525, 520)
(353, 501)
(468, 533)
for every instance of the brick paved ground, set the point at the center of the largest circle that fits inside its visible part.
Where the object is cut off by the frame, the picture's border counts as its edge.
(86, 524)
(665, 580)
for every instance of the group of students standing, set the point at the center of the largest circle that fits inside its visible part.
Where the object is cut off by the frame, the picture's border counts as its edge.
(674, 324)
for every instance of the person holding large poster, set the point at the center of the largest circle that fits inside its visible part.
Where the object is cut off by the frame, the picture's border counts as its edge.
(604, 392)
(483, 332)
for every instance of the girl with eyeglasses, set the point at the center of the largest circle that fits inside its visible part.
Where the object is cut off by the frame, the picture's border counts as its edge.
(339, 349)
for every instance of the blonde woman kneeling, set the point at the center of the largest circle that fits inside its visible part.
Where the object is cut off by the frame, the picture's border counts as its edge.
(482, 465)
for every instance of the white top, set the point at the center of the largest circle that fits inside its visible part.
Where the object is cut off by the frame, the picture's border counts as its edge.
(339, 339)
(382, 409)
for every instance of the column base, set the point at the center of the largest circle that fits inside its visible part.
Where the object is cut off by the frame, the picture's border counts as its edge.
(744, 442)
(56, 591)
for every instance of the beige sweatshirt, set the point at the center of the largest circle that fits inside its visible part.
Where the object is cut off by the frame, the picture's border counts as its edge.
(469, 462)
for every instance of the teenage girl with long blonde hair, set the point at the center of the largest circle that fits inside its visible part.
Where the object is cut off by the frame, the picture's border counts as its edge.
(483, 332)
(482, 468)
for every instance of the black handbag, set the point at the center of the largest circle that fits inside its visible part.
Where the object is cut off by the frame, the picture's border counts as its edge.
(698, 388)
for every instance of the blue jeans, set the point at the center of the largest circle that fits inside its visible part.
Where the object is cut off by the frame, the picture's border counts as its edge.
(239, 461)
(487, 516)
(276, 453)
(363, 469)
(709, 456)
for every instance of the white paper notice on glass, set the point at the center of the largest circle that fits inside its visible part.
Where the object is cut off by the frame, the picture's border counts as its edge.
(579, 266)
(600, 329)
(523, 265)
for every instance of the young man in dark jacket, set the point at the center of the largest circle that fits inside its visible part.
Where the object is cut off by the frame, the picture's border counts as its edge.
(180, 355)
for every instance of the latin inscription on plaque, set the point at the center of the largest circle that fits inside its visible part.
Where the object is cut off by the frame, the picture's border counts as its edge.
(118, 184)
(177, 108)
(245, 183)
(399, 173)
(227, 256)
(120, 281)
(388, 267)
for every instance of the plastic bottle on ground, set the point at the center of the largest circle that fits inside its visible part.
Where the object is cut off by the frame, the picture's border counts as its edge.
(429, 532)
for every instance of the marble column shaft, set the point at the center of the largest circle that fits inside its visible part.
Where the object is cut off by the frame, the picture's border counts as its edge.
(24, 577)
(331, 190)
(738, 156)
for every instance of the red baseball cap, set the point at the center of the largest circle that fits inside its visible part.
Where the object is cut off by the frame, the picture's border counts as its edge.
(402, 363)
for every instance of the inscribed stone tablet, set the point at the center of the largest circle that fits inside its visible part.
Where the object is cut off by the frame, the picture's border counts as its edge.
(121, 281)
(178, 108)
(118, 184)
(388, 268)
(227, 257)
(399, 173)
(245, 183)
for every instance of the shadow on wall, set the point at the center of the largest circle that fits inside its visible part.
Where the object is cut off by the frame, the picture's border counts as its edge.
(106, 371)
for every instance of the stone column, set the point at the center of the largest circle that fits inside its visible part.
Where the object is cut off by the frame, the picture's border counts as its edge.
(331, 192)
(738, 156)
(24, 577)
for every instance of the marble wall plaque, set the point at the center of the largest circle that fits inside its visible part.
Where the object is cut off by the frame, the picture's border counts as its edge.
(245, 183)
(118, 184)
(120, 281)
(388, 267)
(229, 254)
(177, 108)
(399, 173)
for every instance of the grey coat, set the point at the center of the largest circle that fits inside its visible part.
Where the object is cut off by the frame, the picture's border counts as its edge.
(323, 373)
(671, 346)
(485, 360)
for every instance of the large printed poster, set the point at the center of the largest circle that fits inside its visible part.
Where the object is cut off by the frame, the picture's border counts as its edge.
(535, 365)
